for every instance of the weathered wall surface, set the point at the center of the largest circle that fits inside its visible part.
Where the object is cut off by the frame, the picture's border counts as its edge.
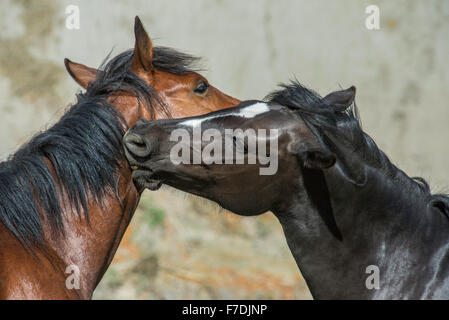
(179, 248)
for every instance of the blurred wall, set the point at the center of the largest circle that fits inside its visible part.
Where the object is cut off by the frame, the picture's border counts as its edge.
(400, 71)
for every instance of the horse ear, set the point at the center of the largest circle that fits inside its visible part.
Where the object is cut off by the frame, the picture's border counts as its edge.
(341, 99)
(317, 159)
(82, 74)
(143, 48)
(312, 155)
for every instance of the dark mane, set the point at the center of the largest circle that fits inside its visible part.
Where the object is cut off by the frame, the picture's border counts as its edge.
(117, 76)
(83, 149)
(342, 132)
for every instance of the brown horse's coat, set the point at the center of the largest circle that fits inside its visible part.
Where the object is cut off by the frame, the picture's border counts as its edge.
(91, 245)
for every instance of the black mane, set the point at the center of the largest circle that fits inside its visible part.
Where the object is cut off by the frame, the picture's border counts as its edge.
(83, 149)
(342, 130)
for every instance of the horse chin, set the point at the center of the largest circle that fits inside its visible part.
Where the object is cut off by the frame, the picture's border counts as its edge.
(143, 180)
(152, 184)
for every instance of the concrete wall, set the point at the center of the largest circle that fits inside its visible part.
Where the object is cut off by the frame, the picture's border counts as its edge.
(400, 71)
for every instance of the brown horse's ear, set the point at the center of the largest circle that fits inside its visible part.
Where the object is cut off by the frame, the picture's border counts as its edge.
(341, 99)
(82, 74)
(312, 155)
(143, 49)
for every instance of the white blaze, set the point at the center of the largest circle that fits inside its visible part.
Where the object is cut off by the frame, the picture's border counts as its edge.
(246, 112)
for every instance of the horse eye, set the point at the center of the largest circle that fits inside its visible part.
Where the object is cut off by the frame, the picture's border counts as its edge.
(201, 88)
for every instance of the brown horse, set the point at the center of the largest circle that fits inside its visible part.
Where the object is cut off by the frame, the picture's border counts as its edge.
(67, 196)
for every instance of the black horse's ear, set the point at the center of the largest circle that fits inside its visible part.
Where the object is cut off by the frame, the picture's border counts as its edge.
(312, 155)
(143, 48)
(317, 159)
(341, 99)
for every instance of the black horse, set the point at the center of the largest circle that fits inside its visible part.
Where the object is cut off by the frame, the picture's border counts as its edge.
(358, 226)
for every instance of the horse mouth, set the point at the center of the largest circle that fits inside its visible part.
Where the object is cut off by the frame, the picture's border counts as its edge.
(145, 179)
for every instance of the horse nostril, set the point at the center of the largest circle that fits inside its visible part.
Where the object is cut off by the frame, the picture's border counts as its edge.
(136, 145)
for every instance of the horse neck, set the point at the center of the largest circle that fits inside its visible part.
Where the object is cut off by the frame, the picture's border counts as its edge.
(382, 223)
(90, 245)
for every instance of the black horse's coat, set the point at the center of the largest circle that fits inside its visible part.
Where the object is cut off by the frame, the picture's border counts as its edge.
(384, 217)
